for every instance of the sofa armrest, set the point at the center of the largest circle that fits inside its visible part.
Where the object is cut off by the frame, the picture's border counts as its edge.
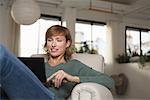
(91, 91)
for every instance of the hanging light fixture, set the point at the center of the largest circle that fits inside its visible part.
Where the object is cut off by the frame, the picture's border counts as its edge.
(25, 11)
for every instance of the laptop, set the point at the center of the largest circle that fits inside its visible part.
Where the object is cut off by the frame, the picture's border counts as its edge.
(36, 65)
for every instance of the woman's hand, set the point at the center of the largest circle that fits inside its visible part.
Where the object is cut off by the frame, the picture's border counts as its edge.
(61, 76)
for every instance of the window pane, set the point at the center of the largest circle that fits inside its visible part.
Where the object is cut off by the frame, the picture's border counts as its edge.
(145, 42)
(99, 39)
(83, 34)
(33, 36)
(133, 41)
(28, 44)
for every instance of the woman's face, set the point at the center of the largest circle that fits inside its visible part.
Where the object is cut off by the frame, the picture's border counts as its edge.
(57, 45)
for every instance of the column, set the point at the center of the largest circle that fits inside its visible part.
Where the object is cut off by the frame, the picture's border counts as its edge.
(69, 20)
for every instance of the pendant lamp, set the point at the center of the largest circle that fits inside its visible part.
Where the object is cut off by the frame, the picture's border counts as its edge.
(25, 12)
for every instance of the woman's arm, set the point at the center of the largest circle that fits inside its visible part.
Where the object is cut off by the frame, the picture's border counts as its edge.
(87, 74)
(75, 71)
(90, 75)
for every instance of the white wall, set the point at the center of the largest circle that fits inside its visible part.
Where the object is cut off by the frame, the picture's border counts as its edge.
(116, 35)
(139, 80)
(6, 27)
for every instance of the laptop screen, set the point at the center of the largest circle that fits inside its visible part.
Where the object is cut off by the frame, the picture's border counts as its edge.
(36, 65)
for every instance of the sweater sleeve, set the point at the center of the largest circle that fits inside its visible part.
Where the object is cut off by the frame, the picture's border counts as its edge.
(87, 74)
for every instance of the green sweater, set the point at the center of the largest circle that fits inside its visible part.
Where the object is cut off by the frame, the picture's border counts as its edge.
(76, 68)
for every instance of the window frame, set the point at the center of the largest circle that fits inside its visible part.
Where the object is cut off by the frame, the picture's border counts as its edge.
(51, 16)
(140, 32)
(91, 50)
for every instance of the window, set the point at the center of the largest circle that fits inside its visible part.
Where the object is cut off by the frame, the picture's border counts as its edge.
(137, 41)
(33, 36)
(92, 34)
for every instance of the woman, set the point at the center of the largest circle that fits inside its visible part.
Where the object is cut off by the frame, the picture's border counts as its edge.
(63, 72)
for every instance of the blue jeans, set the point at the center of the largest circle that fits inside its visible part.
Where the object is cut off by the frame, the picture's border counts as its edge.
(18, 81)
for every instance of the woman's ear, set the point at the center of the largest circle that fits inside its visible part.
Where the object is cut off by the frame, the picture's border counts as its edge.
(68, 44)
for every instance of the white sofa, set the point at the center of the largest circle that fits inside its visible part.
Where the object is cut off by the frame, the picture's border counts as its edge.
(89, 91)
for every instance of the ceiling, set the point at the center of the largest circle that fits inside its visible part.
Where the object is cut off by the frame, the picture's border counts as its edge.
(129, 8)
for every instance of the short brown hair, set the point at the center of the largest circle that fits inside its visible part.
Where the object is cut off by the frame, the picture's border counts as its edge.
(60, 30)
